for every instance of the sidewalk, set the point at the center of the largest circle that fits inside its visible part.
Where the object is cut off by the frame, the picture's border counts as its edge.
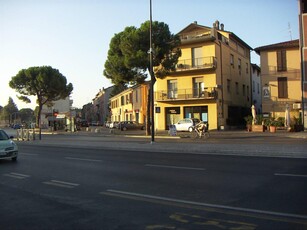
(241, 143)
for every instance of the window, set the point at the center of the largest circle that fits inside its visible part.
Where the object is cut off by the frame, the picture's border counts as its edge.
(197, 57)
(172, 88)
(198, 86)
(243, 90)
(122, 100)
(281, 60)
(232, 60)
(246, 67)
(136, 95)
(258, 88)
(253, 85)
(237, 88)
(282, 87)
(239, 65)
(228, 85)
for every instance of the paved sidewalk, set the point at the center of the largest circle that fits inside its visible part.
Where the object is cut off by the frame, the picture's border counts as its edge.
(220, 143)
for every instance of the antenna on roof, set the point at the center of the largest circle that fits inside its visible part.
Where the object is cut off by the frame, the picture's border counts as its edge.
(290, 31)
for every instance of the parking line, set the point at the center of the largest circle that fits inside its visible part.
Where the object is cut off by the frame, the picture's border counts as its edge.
(16, 175)
(82, 159)
(174, 167)
(62, 184)
(291, 175)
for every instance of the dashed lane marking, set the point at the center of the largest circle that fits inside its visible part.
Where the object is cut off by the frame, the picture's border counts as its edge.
(174, 167)
(17, 175)
(82, 159)
(291, 175)
(62, 184)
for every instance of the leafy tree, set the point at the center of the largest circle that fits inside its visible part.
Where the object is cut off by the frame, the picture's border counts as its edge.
(10, 111)
(128, 59)
(44, 82)
(26, 116)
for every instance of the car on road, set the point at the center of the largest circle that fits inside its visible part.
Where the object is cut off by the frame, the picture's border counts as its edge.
(8, 148)
(186, 124)
(129, 125)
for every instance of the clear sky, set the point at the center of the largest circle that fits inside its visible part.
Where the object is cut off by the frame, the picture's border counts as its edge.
(74, 35)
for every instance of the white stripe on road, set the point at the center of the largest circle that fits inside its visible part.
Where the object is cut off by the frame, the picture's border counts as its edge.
(205, 205)
(292, 175)
(17, 175)
(63, 184)
(82, 159)
(29, 154)
(174, 167)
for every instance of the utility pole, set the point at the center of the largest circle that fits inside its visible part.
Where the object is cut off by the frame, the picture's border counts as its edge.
(152, 82)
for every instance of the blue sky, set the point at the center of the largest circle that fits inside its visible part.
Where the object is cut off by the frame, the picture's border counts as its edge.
(74, 35)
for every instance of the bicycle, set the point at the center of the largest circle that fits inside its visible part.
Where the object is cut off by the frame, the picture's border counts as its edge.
(201, 130)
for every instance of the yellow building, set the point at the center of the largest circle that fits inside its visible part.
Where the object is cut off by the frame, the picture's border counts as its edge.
(281, 79)
(130, 105)
(211, 81)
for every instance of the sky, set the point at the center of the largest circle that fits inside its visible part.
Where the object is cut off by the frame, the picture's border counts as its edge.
(73, 36)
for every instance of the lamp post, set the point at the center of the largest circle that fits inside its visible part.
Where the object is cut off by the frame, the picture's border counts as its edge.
(152, 82)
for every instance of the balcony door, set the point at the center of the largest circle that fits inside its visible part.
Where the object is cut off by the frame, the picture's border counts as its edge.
(172, 89)
(197, 57)
(198, 86)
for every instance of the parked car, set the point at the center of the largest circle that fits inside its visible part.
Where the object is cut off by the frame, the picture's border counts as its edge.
(186, 124)
(8, 148)
(129, 125)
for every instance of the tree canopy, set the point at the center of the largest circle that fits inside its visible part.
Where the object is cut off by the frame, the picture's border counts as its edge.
(128, 58)
(44, 82)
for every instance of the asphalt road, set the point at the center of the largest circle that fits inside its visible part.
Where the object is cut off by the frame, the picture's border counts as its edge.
(75, 188)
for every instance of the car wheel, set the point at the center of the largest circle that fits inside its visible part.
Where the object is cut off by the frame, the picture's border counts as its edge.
(190, 129)
(14, 159)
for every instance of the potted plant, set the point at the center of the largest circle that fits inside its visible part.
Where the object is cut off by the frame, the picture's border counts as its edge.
(248, 120)
(297, 127)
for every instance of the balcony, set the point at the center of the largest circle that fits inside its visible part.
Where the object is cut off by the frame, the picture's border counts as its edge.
(197, 64)
(186, 94)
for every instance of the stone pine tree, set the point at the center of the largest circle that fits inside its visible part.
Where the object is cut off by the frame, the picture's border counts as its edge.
(44, 82)
(128, 58)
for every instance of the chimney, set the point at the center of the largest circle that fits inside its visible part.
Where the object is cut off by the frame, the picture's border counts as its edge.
(222, 26)
(195, 22)
(217, 25)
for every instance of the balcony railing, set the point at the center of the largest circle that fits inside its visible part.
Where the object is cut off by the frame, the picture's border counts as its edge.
(197, 63)
(186, 94)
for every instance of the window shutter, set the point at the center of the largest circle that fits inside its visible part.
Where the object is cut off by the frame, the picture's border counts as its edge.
(282, 87)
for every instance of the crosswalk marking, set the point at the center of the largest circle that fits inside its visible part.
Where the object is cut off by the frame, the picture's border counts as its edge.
(62, 184)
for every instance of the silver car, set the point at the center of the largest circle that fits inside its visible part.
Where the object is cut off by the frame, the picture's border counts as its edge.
(186, 124)
(8, 148)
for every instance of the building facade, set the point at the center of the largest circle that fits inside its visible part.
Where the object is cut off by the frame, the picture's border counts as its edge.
(281, 79)
(130, 105)
(101, 111)
(256, 88)
(211, 81)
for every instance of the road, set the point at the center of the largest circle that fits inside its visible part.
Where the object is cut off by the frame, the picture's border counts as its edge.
(54, 187)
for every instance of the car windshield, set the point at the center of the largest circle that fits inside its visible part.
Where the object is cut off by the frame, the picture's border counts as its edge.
(3, 136)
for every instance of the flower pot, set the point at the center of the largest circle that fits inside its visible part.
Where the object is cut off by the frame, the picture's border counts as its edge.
(272, 129)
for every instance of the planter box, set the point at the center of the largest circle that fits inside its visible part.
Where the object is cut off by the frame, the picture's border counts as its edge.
(258, 128)
(272, 129)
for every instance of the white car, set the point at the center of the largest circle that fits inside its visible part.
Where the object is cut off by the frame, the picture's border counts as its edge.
(186, 124)
(8, 148)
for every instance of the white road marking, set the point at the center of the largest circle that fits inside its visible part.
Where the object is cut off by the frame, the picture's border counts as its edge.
(82, 159)
(16, 175)
(174, 167)
(292, 175)
(63, 184)
(29, 154)
(207, 205)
